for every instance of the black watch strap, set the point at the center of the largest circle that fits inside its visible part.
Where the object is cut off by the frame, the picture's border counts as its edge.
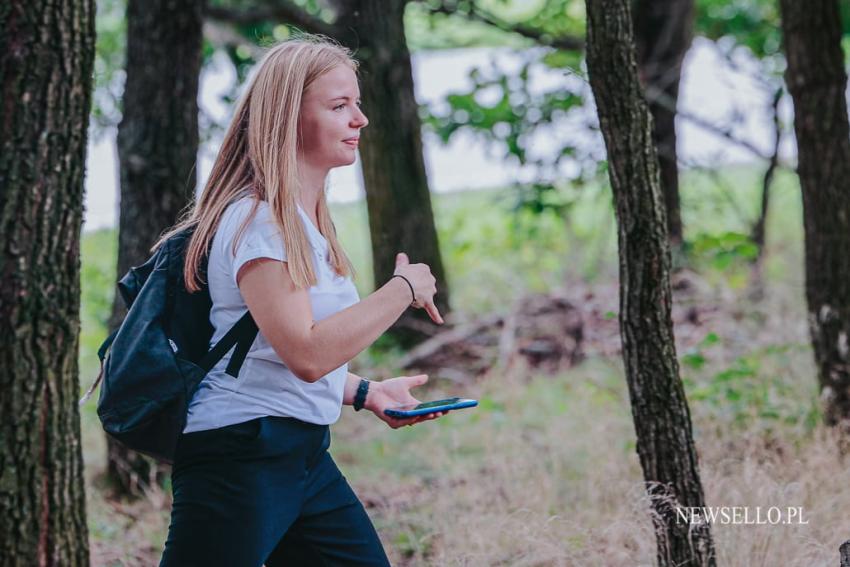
(360, 396)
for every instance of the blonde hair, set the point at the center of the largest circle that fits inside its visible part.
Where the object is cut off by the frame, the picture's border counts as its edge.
(258, 158)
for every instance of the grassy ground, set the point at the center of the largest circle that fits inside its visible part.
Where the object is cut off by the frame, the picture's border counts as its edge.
(544, 471)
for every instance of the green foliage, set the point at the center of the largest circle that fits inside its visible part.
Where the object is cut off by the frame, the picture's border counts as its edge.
(98, 258)
(551, 18)
(695, 358)
(494, 251)
(753, 24)
(723, 250)
(747, 392)
(503, 109)
(413, 541)
(513, 116)
(110, 48)
(382, 353)
(538, 198)
(427, 31)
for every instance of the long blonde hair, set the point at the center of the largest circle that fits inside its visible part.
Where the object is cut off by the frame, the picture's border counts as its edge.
(258, 158)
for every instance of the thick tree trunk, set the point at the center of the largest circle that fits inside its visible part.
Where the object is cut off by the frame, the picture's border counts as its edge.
(663, 33)
(816, 80)
(46, 57)
(662, 420)
(157, 149)
(397, 195)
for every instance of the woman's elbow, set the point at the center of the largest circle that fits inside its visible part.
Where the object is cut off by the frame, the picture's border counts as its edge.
(299, 360)
(305, 370)
(309, 374)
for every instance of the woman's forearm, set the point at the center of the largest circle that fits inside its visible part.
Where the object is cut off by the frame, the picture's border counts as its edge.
(337, 339)
(350, 390)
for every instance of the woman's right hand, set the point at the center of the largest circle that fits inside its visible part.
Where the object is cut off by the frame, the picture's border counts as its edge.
(424, 285)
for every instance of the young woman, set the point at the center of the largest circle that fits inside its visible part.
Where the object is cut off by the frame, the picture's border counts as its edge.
(253, 481)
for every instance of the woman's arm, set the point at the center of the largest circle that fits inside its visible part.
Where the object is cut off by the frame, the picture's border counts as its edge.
(312, 349)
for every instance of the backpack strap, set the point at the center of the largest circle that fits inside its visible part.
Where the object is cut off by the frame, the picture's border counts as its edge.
(242, 334)
(101, 352)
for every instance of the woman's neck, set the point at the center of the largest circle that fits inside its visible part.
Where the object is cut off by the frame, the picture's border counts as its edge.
(312, 182)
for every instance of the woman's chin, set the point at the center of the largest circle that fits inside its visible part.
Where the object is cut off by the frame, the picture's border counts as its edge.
(347, 160)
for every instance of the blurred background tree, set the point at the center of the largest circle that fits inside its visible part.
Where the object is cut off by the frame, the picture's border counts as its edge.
(157, 151)
(817, 80)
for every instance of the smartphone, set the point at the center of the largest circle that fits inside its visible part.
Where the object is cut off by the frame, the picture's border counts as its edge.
(401, 412)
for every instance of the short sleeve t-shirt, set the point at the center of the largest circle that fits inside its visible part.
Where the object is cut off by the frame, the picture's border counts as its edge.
(265, 386)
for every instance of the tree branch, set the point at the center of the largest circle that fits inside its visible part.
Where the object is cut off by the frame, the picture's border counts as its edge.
(565, 42)
(281, 11)
(663, 99)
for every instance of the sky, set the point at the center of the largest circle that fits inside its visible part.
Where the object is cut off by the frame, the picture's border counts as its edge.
(712, 89)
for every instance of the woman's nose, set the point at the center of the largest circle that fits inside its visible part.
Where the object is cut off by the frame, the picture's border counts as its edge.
(360, 119)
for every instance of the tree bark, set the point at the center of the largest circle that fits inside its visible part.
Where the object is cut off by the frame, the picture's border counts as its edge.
(816, 80)
(397, 195)
(46, 59)
(157, 150)
(844, 554)
(663, 34)
(660, 411)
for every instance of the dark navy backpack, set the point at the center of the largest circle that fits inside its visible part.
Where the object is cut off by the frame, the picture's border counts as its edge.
(153, 363)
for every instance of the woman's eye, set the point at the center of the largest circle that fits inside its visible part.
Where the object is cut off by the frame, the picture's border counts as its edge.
(339, 106)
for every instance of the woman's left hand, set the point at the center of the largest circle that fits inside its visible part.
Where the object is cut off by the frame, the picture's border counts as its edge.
(396, 392)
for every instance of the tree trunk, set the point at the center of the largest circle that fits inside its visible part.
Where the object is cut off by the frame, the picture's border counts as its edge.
(157, 150)
(662, 420)
(663, 33)
(46, 59)
(844, 554)
(397, 195)
(816, 80)
(758, 233)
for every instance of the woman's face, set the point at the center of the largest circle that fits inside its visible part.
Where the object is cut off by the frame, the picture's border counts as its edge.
(331, 119)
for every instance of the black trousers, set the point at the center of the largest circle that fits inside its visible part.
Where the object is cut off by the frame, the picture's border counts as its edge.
(265, 492)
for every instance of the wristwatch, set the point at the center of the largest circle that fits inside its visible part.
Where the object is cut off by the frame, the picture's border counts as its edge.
(360, 396)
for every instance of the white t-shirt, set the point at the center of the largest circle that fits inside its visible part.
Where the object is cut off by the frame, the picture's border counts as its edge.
(265, 385)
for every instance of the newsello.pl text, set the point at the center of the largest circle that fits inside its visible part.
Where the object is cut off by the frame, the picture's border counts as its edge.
(741, 515)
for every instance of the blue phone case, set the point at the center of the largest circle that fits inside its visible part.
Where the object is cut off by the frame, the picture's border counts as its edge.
(460, 403)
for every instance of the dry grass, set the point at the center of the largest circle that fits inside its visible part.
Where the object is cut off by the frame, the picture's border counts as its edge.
(545, 471)
(526, 486)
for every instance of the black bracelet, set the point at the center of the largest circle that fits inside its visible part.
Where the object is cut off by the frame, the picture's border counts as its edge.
(413, 293)
(360, 396)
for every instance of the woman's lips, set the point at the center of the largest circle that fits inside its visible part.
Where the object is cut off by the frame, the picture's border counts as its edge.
(353, 142)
